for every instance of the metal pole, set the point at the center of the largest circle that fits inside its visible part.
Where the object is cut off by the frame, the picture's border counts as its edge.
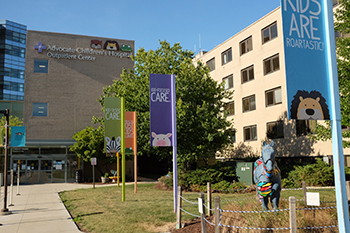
(4, 210)
(203, 224)
(18, 174)
(93, 175)
(178, 213)
(11, 190)
(337, 140)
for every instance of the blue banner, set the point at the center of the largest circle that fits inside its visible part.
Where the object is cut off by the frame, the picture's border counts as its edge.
(306, 59)
(18, 136)
(161, 109)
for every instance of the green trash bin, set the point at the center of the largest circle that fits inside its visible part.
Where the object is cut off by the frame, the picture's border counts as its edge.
(244, 172)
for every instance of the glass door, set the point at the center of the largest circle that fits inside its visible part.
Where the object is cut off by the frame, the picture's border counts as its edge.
(32, 171)
(19, 168)
(45, 171)
(59, 167)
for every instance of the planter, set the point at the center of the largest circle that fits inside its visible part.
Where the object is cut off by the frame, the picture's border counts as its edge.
(104, 180)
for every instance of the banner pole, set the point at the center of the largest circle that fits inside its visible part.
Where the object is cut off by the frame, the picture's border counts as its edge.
(123, 145)
(135, 150)
(174, 139)
(337, 141)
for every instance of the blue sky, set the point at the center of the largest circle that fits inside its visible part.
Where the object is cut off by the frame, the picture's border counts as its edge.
(144, 21)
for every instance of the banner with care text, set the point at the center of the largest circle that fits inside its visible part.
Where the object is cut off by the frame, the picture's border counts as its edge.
(306, 61)
(113, 124)
(162, 89)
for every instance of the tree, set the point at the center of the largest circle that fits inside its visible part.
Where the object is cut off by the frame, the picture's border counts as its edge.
(89, 143)
(202, 127)
(13, 121)
(341, 26)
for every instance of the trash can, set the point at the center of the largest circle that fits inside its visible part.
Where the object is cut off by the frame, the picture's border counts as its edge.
(78, 176)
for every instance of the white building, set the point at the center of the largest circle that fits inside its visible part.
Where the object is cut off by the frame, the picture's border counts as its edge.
(252, 64)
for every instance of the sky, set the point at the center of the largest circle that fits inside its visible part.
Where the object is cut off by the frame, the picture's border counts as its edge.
(195, 24)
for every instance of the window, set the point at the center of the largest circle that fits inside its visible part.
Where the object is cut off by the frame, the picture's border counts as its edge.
(233, 137)
(230, 108)
(246, 45)
(305, 127)
(271, 64)
(41, 66)
(273, 97)
(335, 2)
(226, 56)
(228, 82)
(250, 133)
(269, 32)
(40, 109)
(211, 64)
(247, 74)
(275, 130)
(249, 103)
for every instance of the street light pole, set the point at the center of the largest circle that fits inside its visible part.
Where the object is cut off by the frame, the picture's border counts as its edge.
(6, 112)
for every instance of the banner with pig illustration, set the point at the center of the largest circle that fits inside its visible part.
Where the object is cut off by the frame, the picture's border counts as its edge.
(161, 109)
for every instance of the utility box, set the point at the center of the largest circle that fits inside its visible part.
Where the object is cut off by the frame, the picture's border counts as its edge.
(244, 172)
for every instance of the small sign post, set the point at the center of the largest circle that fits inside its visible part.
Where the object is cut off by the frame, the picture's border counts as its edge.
(93, 163)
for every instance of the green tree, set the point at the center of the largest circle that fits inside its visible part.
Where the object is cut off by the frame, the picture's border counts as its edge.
(341, 26)
(202, 127)
(89, 143)
(13, 121)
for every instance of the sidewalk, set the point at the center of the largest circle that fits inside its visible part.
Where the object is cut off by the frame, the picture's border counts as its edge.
(38, 209)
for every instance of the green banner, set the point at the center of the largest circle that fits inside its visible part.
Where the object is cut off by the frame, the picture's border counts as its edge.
(113, 124)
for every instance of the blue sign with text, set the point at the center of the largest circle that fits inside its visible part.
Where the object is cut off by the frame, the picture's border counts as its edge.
(305, 59)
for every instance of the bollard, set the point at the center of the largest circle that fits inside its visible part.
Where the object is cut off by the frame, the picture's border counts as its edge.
(304, 191)
(203, 224)
(18, 175)
(292, 215)
(11, 190)
(209, 197)
(217, 214)
(347, 183)
(179, 205)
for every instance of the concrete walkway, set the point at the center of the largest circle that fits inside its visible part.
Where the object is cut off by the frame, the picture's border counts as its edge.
(38, 209)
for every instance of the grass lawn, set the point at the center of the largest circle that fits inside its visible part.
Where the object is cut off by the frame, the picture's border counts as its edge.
(149, 210)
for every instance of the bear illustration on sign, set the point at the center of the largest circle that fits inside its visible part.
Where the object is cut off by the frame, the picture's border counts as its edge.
(309, 106)
(161, 139)
(96, 44)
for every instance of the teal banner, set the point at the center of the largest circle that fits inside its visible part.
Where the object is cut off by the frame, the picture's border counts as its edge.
(18, 136)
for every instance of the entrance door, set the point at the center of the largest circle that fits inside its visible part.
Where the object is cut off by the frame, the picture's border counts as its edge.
(45, 171)
(32, 171)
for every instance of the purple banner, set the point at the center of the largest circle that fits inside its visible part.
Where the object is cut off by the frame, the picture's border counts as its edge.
(161, 109)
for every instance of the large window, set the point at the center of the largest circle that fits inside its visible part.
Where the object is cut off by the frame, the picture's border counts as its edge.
(230, 108)
(249, 103)
(269, 32)
(228, 82)
(247, 74)
(211, 64)
(246, 45)
(275, 130)
(250, 133)
(226, 56)
(271, 64)
(305, 127)
(41, 66)
(273, 97)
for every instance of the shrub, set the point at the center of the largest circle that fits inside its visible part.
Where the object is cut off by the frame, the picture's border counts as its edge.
(317, 174)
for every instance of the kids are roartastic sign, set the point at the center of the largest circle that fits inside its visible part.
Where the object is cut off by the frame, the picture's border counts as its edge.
(305, 44)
